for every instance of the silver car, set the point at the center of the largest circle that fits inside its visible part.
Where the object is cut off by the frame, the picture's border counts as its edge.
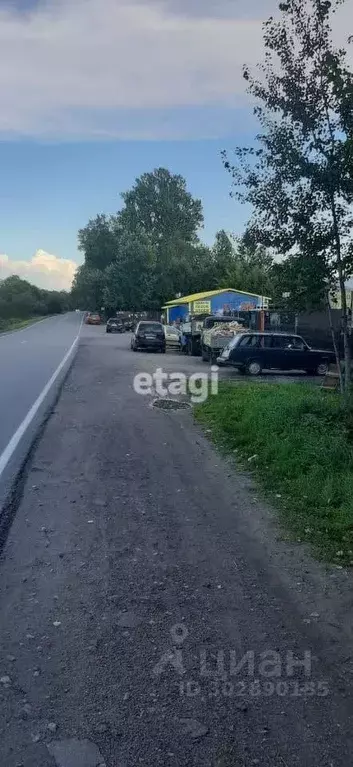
(172, 336)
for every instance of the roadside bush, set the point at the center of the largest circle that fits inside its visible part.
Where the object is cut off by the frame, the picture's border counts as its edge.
(20, 300)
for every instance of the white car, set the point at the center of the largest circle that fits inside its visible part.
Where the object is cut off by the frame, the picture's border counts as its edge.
(172, 336)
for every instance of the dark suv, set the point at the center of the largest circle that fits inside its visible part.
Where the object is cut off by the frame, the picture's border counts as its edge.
(254, 352)
(148, 335)
(115, 325)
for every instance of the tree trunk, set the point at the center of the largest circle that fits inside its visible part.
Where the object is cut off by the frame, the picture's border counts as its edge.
(347, 357)
(334, 342)
(341, 281)
(346, 333)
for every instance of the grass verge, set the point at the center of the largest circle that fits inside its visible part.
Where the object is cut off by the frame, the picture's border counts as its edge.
(300, 442)
(13, 324)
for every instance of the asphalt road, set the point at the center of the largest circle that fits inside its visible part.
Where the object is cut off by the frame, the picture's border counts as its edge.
(28, 359)
(142, 582)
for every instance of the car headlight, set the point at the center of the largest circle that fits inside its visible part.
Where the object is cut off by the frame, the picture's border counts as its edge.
(226, 353)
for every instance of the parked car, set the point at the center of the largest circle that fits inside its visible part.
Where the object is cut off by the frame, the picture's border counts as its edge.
(114, 325)
(93, 319)
(149, 335)
(253, 352)
(172, 336)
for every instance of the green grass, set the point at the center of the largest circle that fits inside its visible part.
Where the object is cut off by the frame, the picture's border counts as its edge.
(303, 443)
(14, 324)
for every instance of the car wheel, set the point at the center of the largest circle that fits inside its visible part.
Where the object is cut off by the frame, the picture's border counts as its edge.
(253, 368)
(205, 354)
(321, 369)
(163, 350)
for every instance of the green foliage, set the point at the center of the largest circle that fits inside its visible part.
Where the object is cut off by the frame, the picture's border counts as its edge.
(303, 441)
(97, 242)
(128, 280)
(150, 251)
(14, 324)
(299, 283)
(181, 267)
(196, 272)
(298, 178)
(239, 262)
(88, 288)
(250, 266)
(160, 206)
(20, 300)
(222, 254)
(147, 252)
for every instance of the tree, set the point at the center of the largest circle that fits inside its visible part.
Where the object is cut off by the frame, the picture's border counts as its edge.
(198, 269)
(182, 268)
(222, 256)
(54, 302)
(298, 178)
(299, 284)
(87, 288)
(160, 206)
(249, 267)
(152, 241)
(97, 241)
(20, 299)
(223, 250)
(129, 278)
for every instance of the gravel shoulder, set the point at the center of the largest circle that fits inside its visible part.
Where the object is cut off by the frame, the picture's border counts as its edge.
(140, 570)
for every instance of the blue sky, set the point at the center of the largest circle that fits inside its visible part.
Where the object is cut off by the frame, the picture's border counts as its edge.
(94, 93)
(52, 190)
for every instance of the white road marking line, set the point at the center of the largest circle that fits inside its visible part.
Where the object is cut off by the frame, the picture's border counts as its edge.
(7, 454)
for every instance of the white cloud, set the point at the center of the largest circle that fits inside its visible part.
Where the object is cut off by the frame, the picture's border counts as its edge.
(90, 68)
(43, 269)
(69, 66)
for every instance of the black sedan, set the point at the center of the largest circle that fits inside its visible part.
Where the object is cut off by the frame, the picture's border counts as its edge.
(253, 352)
(115, 325)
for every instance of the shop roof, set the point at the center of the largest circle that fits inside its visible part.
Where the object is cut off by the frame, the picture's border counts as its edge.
(208, 294)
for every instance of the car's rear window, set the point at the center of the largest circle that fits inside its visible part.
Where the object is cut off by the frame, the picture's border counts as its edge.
(156, 327)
